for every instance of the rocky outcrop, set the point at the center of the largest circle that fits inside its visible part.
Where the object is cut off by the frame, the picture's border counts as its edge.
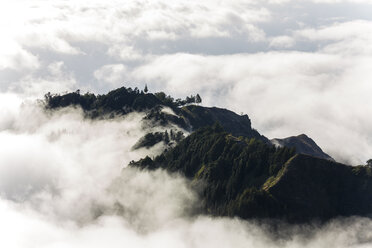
(303, 145)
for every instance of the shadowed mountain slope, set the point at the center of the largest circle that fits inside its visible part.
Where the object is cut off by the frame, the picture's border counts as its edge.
(125, 100)
(250, 179)
(240, 173)
(303, 145)
(238, 125)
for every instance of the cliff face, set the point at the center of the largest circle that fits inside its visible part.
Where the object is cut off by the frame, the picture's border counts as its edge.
(303, 145)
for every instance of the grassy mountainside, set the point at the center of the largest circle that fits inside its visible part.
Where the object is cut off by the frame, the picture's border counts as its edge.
(250, 179)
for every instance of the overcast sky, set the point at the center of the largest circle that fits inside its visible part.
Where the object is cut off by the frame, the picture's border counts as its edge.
(293, 66)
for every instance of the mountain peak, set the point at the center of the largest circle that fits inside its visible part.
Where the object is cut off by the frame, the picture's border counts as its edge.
(303, 145)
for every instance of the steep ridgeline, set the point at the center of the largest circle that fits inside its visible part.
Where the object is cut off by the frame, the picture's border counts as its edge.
(303, 145)
(251, 179)
(237, 125)
(160, 108)
(163, 110)
(120, 101)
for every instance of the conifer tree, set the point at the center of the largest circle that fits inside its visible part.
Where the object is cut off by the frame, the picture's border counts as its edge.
(198, 99)
(369, 162)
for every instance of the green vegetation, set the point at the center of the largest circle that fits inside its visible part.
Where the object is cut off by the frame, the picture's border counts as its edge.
(248, 178)
(120, 101)
(240, 172)
(369, 162)
(234, 170)
(125, 100)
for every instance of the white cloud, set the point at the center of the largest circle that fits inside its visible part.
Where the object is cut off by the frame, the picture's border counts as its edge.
(112, 74)
(57, 25)
(57, 79)
(343, 1)
(349, 38)
(318, 1)
(282, 42)
(124, 52)
(69, 169)
(285, 93)
(68, 189)
(13, 56)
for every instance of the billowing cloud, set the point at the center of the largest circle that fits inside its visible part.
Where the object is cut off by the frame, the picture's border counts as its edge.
(13, 56)
(285, 93)
(282, 42)
(347, 38)
(57, 26)
(54, 78)
(69, 189)
(111, 74)
(293, 66)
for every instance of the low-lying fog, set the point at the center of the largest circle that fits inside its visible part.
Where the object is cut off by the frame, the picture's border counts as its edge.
(62, 184)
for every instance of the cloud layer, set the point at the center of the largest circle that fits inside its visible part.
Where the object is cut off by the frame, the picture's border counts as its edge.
(62, 184)
(292, 66)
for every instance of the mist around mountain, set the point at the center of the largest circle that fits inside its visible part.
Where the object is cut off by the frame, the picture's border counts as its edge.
(250, 179)
(180, 112)
(237, 171)
(80, 168)
(162, 110)
(65, 182)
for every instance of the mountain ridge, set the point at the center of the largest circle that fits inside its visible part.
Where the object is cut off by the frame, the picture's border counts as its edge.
(303, 144)
(243, 174)
(189, 117)
(250, 179)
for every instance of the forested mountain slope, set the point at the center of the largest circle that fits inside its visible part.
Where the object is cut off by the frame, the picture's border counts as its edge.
(239, 172)
(250, 179)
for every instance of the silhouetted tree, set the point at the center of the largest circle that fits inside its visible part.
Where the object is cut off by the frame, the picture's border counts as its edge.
(160, 95)
(369, 162)
(146, 89)
(198, 98)
(47, 97)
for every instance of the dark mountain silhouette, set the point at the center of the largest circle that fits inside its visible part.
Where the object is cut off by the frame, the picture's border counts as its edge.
(303, 144)
(238, 125)
(247, 178)
(125, 100)
(239, 171)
